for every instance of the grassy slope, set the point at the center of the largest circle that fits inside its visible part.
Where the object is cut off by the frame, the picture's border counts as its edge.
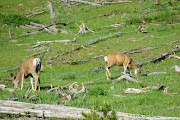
(151, 103)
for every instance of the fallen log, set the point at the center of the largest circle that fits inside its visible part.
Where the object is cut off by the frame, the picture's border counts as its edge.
(48, 42)
(85, 2)
(29, 15)
(60, 112)
(154, 73)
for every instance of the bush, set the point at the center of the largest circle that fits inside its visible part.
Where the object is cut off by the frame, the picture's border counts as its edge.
(15, 20)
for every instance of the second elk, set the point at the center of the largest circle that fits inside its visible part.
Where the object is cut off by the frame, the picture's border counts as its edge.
(28, 68)
(120, 60)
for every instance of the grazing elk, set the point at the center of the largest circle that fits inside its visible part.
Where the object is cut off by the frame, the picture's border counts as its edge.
(120, 60)
(28, 68)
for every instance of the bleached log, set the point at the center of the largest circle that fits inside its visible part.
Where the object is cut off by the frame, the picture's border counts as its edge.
(35, 14)
(67, 98)
(27, 93)
(48, 42)
(60, 112)
(38, 53)
(85, 2)
(73, 88)
(10, 34)
(132, 90)
(126, 77)
(108, 3)
(177, 69)
(51, 11)
(154, 73)
(174, 56)
(83, 29)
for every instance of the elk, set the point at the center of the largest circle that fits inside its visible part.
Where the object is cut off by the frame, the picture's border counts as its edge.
(120, 60)
(28, 68)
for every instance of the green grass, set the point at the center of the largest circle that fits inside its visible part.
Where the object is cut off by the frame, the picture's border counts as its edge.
(162, 26)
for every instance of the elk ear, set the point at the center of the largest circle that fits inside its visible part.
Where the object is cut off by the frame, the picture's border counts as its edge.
(12, 75)
(141, 65)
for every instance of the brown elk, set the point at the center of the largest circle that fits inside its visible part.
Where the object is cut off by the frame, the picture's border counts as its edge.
(120, 60)
(28, 68)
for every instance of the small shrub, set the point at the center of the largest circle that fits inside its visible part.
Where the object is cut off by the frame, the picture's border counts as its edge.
(97, 91)
(16, 20)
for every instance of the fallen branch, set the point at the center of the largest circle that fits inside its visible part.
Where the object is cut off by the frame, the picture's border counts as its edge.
(83, 29)
(10, 69)
(132, 90)
(125, 77)
(34, 14)
(154, 73)
(85, 2)
(12, 98)
(38, 53)
(48, 42)
(108, 3)
(174, 56)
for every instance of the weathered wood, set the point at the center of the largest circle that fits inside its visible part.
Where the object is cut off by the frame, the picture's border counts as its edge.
(49, 111)
(10, 69)
(48, 42)
(126, 77)
(85, 2)
(38, 53)
(132, 90)
(29, 15)
(27, 93)
(109, 3)
(154, 73)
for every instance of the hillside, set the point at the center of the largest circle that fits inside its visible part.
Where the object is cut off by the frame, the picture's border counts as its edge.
(142, 29)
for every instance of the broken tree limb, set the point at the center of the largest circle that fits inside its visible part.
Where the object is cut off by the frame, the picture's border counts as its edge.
(27, 93)
(87, 44)
(132, 90)
(85, 2)
(126, 77)
(83, 29)
(108, 3)
(174, 56)
(161, 57)
(34, 32)
(38, 53)
(120, 77)
(48, 42)
(154, 73)
(39, 13)
(10, 69)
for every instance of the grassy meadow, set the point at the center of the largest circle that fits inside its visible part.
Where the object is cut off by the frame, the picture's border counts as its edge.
(161, 23)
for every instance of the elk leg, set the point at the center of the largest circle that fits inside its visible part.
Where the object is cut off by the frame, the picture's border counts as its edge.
(36, 80)
(39, 78)
(32, 82)
(108, 74)
(22, 78)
